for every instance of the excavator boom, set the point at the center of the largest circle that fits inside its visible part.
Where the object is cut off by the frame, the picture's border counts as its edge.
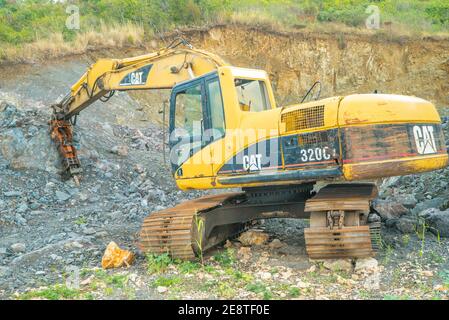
(158, 70)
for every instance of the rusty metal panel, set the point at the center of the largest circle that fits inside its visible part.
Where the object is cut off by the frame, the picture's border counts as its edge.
(391, 141)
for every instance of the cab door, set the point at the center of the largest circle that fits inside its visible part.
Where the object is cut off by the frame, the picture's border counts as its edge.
(215, 121)
(189, 121)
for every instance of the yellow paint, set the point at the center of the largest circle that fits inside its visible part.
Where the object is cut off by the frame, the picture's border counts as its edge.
(406, 165)
(364, 109)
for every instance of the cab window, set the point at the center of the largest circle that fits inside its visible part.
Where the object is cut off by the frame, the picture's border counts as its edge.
(189, 111)
(216, 108)
(252, 95)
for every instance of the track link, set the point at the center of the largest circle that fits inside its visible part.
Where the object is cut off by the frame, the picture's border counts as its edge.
(174, 230)
(338, 227)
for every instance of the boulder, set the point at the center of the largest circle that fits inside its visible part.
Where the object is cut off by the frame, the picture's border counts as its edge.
(406, 225)
(253, 238)
(28, 152)
(391, 223)
(389, 209)
(427, 204)
(437, 220)
(366, 265)
(338, 264)
(407, 200)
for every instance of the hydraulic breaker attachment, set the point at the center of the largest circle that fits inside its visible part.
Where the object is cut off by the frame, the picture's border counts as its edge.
(62, 134)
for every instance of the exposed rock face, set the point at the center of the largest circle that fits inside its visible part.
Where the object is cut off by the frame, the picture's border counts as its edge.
(437, 220)
(295, 60)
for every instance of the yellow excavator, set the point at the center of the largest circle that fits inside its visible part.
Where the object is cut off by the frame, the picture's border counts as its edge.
(226, 131)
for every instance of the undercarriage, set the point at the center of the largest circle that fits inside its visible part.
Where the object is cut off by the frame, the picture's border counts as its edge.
(338, 213)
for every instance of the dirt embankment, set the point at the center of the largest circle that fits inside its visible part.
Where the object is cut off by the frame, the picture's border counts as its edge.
(344, 63)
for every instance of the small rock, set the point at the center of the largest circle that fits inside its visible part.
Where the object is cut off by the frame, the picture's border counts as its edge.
(253, 237)
(76, 244)
(244, 254)
(372, 282)
(346, 282)
(228, 244)
(427, 273)
(373, 217)
(62, 196)
(101, 234)
(276, 244)
(22, 208)
(4, 271)
(18, 247)
(287, 274)
(312, 268)
(12, 194)
(303, 285)
(161, 289)
(120, 150)
(89, 231)
(355, 276)
(55, 257)
(366, 265)
(265, 275)
(338, 265)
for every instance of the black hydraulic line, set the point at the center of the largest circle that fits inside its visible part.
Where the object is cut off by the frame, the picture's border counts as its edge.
(310, 90)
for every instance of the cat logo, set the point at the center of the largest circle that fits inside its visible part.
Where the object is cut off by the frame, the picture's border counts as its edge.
(424, 139)
(252, 162)
(136, 78)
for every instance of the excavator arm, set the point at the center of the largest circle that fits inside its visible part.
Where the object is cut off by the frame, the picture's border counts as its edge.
(158, 70)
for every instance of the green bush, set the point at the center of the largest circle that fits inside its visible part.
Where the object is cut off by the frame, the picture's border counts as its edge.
(28, 20)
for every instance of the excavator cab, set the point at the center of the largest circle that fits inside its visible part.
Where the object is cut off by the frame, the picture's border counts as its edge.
(204, 110)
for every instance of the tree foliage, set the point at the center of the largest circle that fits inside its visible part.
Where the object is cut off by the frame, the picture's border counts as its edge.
(28, 20)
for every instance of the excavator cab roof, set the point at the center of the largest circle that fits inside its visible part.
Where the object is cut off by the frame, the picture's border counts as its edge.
(235, 72)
